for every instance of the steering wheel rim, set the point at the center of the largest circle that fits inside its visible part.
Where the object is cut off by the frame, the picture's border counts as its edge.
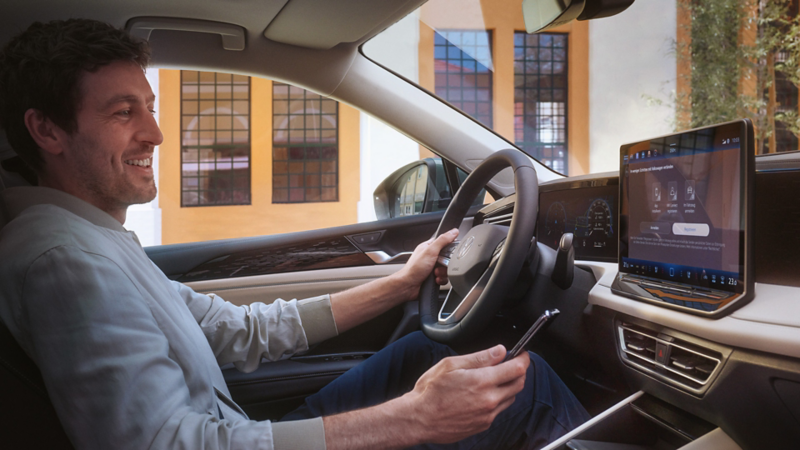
(507, 264)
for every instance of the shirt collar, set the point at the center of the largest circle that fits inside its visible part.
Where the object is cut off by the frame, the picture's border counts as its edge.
(18, 199)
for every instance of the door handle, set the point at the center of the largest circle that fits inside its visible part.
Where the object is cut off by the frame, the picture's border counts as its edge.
(232, 35)
(381, 257)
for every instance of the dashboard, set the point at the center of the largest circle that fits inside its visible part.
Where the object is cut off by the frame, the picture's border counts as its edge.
(588, 207)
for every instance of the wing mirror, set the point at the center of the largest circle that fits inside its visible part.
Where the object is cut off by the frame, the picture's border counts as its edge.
(415, 188)
(542, 15)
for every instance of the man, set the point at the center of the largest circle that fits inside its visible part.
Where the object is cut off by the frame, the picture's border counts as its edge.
(131, 359)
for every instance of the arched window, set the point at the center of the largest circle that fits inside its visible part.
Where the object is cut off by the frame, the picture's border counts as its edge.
(305, 146)
(215, 139)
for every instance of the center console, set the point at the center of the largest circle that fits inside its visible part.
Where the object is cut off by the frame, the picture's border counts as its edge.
(643, 422)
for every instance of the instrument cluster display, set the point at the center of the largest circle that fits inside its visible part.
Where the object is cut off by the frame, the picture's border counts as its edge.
(589, 213)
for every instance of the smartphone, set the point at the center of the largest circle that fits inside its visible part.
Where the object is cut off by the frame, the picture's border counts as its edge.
(514, 352)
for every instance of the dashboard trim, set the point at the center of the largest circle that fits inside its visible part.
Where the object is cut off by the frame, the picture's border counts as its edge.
(759, 325)
(586, 181)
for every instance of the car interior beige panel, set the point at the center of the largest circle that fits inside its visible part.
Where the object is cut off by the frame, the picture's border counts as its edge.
(325, 24)
(715, 439)
(778, 305)
(777, 333)
(267, 288)
(594, 421)
(435, 125)
(268, 294)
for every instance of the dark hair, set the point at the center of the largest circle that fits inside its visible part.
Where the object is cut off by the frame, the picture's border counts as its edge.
(41, 69)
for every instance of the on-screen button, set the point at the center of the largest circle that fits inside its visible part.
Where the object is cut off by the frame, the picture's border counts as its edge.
(690, 229)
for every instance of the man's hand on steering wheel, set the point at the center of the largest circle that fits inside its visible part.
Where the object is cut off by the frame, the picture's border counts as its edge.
(423, 261)
(489, 258)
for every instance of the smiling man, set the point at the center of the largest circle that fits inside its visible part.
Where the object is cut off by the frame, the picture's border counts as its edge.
(107, 160)
(132, 360)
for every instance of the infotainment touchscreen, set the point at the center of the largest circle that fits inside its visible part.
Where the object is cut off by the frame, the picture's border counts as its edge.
(686, 219)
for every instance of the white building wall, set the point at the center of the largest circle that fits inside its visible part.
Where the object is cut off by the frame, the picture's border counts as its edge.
(630, 59)
(383, 149)
(145, 219)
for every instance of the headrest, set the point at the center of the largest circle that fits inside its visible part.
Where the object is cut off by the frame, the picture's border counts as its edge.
(13, 171)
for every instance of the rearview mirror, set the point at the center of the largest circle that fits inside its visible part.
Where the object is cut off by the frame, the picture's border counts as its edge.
(540, 15)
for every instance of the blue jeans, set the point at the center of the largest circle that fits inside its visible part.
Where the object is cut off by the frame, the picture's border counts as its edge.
(542, 412)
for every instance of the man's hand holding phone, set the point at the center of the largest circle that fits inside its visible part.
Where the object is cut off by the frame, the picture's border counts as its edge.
(462, 395)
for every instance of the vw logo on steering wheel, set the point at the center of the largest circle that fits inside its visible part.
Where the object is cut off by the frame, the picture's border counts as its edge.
(465, 248)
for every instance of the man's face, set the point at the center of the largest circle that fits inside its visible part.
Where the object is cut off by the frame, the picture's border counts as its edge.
(110, 154)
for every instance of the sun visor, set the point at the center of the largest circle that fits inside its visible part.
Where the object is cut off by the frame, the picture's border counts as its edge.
(323, 24)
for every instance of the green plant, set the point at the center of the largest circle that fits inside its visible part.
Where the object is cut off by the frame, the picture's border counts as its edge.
(734, 51)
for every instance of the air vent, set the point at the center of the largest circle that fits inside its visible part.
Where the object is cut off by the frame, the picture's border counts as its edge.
(503, 219)
(676, 361)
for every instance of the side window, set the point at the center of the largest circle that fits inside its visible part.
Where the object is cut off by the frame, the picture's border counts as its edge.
(305, 146)
(245, 156)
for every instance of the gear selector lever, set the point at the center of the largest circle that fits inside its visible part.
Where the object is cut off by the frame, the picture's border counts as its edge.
(564, 269)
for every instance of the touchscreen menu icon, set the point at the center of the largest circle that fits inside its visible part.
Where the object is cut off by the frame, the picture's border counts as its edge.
(689, 190)
(672, 191)
(656, 192)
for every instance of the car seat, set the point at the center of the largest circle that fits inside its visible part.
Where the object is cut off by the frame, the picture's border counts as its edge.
(27, 417)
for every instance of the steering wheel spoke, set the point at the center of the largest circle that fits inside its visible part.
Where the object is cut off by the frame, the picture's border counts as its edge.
(467, 302)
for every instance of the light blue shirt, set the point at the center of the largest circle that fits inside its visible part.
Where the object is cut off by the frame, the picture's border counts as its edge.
(130, 358)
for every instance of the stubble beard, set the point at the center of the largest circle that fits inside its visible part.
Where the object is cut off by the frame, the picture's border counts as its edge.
(112, 190)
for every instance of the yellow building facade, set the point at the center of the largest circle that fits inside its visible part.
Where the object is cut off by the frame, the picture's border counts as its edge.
(261, 217)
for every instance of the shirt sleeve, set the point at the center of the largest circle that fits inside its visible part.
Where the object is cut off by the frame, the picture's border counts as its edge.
(306, 434)
(108, 367)
(244, 335)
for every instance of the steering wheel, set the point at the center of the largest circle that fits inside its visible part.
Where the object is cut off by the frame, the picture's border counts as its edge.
(487, 261)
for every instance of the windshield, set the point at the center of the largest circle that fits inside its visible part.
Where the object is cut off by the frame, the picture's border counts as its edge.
(569, 97)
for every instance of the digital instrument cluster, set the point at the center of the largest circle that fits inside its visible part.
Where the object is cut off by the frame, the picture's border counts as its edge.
(588, 212)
